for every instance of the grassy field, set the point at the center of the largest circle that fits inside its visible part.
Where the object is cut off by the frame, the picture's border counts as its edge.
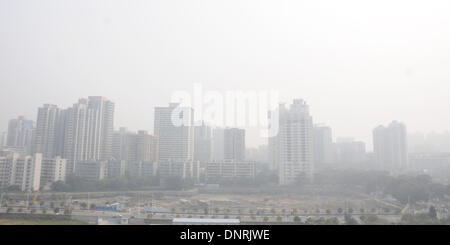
(39, 222)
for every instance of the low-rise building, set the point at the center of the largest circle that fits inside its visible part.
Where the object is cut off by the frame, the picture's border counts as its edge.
(53, 169)
(229, 169)
(91, 170)
(115, 168)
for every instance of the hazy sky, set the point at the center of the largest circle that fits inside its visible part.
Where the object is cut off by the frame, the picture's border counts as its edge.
(356, 63)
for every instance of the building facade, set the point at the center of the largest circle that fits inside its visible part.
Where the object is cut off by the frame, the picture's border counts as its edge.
(20, 134)
(174, 128)
(88, 131)
(390, 147)
(292, 148)
(234, 144)
(323, 146)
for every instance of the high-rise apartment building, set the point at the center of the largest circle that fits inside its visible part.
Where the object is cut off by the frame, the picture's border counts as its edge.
(20, 134)
(134, 148)
(49, 136)
(390, 146)
(120, 143)
(323, 146)
(234, 144)
(203, 143)
(218, 144)
(174, 128)
(88, 131)
(292, 148)
(350, 153)
(142, 147)
(3, 136)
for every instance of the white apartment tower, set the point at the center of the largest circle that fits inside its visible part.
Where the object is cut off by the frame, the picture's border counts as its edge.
(88, 131)
(390, 147)
(20, 134)
(323, 146)
(203, 149)
(174, 128)
(49, 136)
(218, 144)
(292, 149)
(234, 144)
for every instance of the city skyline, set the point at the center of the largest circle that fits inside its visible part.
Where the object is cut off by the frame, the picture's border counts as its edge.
(249, 130)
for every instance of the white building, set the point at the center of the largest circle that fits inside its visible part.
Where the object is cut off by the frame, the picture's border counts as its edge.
(3, 136)
(26, 172)
(115, 168)
(8, 161)
(234, 144)
(350, 153)
(142, 169)
(89, 131)
(49, 138)
(120, 143)
(91, 170)
(292, 149)
(133, 147)
(174, 128)
(323, 146)
(218, 144)
(203, 143)
(53, 169)
(390, 147)
(230, 169)
(20, 134)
